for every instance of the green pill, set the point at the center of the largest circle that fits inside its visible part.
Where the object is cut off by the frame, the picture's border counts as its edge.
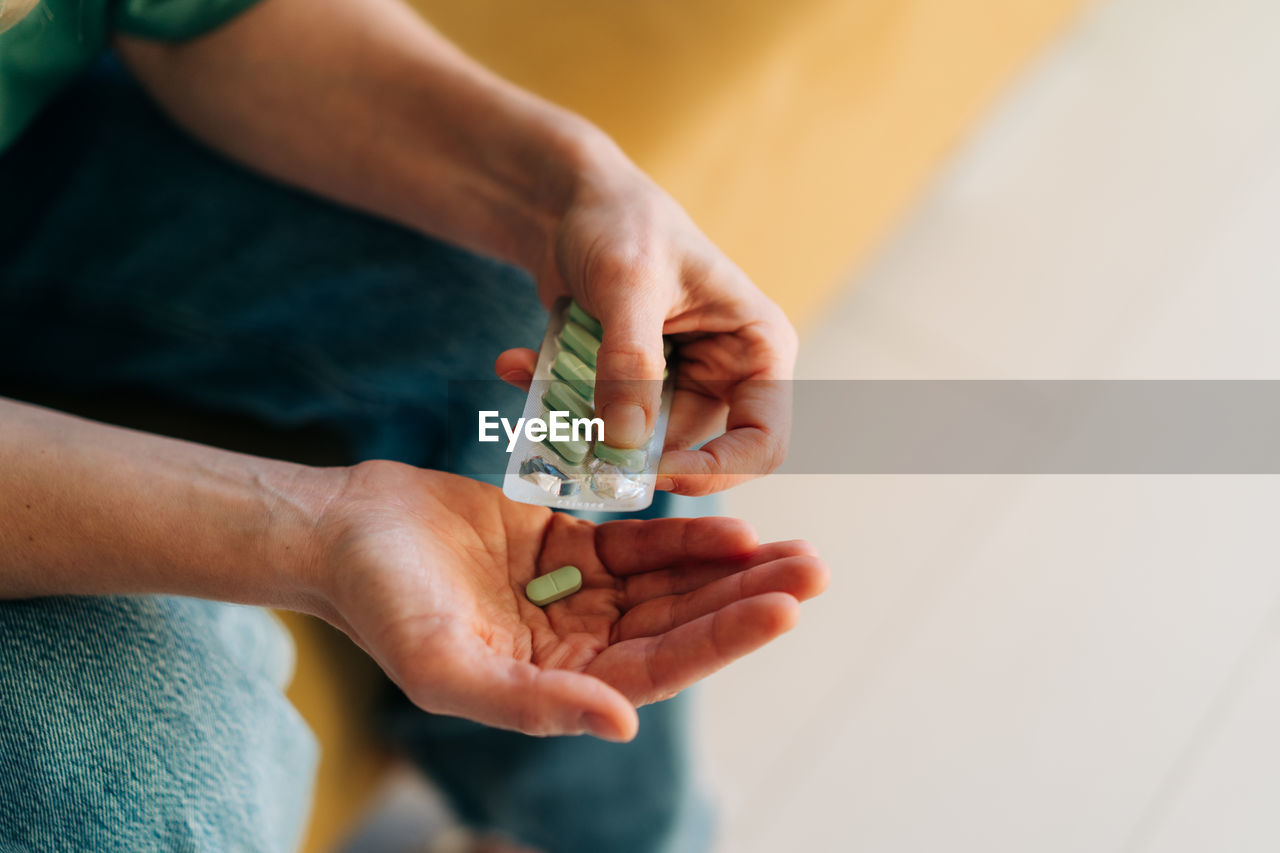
(582, 318)
(571, 369)
(627, 458)
(572, 451)
(561, 398)
(580, 342)
(563, 582)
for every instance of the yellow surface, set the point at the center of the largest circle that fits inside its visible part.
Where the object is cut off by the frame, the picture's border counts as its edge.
(336, 687)
(796, 133)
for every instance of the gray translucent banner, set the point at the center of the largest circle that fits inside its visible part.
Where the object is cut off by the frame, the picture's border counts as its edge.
(1035, 427)
(962, 426)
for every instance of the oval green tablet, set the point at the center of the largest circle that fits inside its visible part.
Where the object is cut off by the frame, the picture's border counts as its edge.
(580, 342)
(627, 458)
(582, 318)
(573, 370)
(561, 398)
(564, 581)
(572, 451)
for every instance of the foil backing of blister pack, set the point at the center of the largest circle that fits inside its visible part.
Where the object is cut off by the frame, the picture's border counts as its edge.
(537, 474)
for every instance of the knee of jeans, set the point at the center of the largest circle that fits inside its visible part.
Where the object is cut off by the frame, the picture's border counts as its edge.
(567, 795)
(148, 723)
(639, 797)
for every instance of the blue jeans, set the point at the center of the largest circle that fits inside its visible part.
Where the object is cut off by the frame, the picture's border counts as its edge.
(135, 265)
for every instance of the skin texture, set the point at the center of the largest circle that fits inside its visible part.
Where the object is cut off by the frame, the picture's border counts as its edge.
(361, 101)
(663, 603)
(12, 11)
(425, 570)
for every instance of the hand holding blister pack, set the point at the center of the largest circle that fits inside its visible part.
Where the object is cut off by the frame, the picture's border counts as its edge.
(573, 467)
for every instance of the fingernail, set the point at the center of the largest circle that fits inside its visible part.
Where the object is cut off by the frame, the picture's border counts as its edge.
(665, 484)
(600, 726)
(513, 377)
(624, 425)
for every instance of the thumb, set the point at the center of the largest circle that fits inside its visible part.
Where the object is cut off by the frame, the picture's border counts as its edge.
(629, 366)
(520, 696)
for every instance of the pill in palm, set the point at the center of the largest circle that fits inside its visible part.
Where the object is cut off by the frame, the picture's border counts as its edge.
(564, 581)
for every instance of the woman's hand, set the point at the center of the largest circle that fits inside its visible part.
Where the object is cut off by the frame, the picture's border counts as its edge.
(427, 571)
(386, 116)
(632, 257)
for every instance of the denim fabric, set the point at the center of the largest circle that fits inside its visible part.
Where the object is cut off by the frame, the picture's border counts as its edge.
(569, 794)
(148, 723)
(134, 262)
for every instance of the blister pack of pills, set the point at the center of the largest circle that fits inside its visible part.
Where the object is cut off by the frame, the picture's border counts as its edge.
(558, 456)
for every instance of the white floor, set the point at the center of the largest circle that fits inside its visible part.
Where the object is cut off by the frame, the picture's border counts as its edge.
(1041, 664)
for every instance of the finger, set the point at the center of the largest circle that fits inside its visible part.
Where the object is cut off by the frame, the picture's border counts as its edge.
(758, 428)
(800, 577)
(515, 367)
(650, 669)
(627, 547)
(500, 691)
(695, 417)
(687, 577)
(630, 362)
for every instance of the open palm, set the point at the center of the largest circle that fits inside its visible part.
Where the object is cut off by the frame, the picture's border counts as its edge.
(427, 572)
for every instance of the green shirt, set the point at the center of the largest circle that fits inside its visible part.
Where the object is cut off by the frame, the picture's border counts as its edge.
(60, 38)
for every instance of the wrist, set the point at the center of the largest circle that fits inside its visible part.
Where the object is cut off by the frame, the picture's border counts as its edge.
(570, 156)
(298, 502)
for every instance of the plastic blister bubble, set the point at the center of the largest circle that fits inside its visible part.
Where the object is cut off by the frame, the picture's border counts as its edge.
(567, 474)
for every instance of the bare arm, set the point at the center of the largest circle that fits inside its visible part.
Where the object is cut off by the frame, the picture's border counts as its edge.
(425, 570)
(87, 508)
(364, 103)
(361, 101)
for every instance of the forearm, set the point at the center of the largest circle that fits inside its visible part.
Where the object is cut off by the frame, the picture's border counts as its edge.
(361, 101)
(92, 509)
